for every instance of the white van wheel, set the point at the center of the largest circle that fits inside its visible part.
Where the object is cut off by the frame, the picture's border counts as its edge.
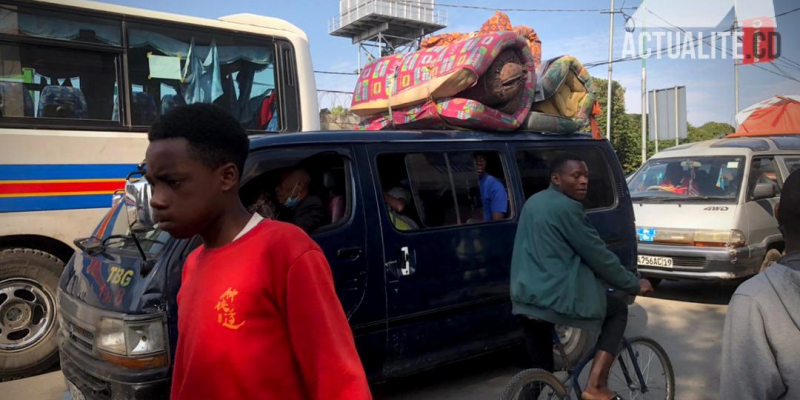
(772, 256)
(576, 342)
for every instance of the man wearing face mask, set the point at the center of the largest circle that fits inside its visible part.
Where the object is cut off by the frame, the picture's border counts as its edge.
(298, 206)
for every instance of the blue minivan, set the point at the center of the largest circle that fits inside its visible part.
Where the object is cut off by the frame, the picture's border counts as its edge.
(426, 291)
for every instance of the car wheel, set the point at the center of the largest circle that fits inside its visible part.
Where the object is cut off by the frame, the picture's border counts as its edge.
(28, 314)
(772, 256)
(577, 344)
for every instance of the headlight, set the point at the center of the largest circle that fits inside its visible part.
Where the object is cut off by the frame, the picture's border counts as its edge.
(130, 338)
(730, 238)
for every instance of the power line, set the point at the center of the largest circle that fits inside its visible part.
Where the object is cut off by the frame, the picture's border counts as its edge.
(482, 8)
(336, 73)
(788, 12)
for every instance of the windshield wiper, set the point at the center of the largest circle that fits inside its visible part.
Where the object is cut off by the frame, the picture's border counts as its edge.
(136, 240)
(658, 199)
(98, 245)
(696, 198)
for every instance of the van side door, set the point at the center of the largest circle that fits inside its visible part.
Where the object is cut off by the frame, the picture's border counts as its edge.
(446, 261)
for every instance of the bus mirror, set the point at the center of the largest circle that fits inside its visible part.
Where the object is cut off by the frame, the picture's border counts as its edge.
(137, 203)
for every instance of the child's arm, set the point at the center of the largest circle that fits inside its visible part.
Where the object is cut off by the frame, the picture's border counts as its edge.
(320, 334)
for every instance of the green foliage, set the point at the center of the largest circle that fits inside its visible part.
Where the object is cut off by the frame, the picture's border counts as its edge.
(339, 110)
(626, 129)
(709, 130)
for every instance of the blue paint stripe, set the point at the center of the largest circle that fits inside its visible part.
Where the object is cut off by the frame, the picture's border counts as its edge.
(64, 171)
(50, 203)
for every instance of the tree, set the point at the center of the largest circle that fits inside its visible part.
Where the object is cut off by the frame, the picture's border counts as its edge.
(709, 130)
(625, 128)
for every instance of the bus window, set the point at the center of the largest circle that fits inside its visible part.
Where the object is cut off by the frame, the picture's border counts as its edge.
(51, 82)
(171, 66)
(38, 23)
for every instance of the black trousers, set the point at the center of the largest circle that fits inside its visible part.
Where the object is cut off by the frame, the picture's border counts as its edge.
(539, 334)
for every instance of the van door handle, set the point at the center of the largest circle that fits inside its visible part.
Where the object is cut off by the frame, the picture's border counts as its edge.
(405, 262)
(350, 253)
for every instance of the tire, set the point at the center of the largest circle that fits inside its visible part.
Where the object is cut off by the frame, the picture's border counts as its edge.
(772, 256)
(521, 385)
(28, 313)
(577, 343)
(654, 282)
(660, 382)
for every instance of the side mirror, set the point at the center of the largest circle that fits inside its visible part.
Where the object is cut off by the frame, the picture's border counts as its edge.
(137, 203)
(764, 190)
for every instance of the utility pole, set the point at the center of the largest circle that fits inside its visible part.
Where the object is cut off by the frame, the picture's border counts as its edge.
(610, 68)
(644, 88)
(735, 70)
(677, 120)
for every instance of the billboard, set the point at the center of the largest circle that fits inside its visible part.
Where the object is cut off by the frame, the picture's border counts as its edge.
(667, 113)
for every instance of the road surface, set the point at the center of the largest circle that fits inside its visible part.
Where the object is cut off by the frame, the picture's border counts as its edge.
(685, 317)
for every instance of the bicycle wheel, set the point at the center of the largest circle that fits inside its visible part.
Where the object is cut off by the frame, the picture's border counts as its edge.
(656, 370)
(534, 384)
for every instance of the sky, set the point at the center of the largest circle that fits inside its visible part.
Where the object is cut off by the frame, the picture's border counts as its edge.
(709, 83)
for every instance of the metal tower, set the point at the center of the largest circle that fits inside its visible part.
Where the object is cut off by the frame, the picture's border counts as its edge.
(386, 26)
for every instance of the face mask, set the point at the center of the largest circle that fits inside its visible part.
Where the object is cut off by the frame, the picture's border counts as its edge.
(292, 200)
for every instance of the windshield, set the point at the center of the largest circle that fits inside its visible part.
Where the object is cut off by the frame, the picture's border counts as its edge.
(689, 178)
(118, 237)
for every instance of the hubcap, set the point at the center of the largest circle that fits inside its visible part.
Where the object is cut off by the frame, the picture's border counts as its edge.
(27, 313)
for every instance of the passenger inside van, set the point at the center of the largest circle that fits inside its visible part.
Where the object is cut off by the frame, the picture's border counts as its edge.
(298, 205)
(396, 200)
(494, 197)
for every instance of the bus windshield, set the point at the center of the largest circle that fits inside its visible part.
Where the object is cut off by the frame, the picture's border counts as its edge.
(689, 178)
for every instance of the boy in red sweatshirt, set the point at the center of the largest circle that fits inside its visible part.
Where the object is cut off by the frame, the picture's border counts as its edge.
(258, 317)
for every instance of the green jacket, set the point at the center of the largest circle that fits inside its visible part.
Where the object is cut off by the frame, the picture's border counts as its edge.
(558, 258)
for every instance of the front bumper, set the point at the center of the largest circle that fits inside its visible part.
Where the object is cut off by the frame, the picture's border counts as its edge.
(88, 376)
(702, 263)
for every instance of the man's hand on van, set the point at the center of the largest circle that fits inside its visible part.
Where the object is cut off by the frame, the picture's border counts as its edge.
(645, 287)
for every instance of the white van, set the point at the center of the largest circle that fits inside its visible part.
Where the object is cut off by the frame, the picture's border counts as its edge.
(706, 210)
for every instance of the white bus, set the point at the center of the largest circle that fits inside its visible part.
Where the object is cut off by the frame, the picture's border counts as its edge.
(80, 82)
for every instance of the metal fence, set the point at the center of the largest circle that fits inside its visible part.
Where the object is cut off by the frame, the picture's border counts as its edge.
(330, 99)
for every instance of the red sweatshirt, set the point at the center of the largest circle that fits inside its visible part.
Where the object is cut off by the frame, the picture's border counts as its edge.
(259, 318)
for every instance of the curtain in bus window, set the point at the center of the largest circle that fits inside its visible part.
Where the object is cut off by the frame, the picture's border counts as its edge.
(173, 47)
(201, 79)
(73, 28)
(214, 69)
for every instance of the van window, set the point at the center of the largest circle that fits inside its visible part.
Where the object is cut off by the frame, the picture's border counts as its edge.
(763, 170)
(792, 164)
(534, 167)
(308, 190)
(431, 190)
(52, 82)
(717, 178)
(171, 66)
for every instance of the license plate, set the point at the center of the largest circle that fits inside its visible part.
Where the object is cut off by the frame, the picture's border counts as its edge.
(646, 234)
(75, 392)
(650, 261)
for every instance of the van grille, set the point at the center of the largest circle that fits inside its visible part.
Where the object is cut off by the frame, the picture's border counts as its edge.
(81, 336)
(689, 262)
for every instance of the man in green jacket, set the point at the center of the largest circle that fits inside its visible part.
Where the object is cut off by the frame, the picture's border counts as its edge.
(556, 271)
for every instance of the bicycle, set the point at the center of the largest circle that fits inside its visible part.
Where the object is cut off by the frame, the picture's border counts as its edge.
(629, 379)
